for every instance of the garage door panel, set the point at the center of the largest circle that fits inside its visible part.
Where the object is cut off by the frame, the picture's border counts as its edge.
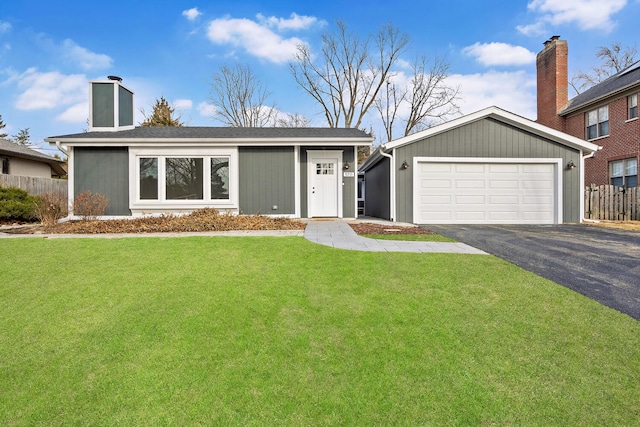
(477, 193)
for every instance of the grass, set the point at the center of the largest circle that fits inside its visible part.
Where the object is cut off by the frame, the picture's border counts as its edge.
(410, 237)
(279, 331)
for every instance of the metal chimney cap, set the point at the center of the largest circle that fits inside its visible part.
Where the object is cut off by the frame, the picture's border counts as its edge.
(116, 78)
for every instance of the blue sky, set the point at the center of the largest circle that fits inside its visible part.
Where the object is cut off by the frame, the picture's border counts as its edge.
(50, 50)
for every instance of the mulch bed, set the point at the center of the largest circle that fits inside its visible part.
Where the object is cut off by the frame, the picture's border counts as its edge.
(371, 228)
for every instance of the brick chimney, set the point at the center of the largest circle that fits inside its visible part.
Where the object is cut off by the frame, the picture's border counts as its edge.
(553, 82)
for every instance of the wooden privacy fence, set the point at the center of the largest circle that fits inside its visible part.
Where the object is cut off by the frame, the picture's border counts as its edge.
(35, 186)
(612, 203)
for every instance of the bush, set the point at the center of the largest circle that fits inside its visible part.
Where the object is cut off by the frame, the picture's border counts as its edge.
(16, 204)
(50, 207)
(90, 206)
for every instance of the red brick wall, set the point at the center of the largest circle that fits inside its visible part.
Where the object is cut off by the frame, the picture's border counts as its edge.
(552, 83)
(623, 141)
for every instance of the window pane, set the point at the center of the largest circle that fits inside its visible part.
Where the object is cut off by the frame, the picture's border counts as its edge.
(617, 182)
(592, 132)
(603, 128)
(184, 178)
(633, 112)
(616, 169)
(149, 178)
(631, 181)
(632, 167)
(219, 178)
(592, 118)
(603, 114)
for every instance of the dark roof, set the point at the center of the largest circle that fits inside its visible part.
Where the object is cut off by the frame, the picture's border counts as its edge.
(623, 80)
(202, 132)
(16, 150)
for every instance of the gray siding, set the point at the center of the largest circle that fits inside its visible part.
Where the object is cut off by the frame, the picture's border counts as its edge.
(103, 104)
(377, 185)
(267, 179)
(487, 138)
(104, 171)
(348, 189)
(125, 104)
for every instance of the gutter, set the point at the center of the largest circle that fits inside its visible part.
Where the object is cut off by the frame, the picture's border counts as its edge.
(392, 184)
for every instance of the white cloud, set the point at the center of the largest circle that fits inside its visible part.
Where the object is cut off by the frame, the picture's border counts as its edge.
(50, 90)
(183, 104)
(294, 22)
(86, 59)
(511, 91)
(254, 38)
(489, 54)
(77, 113)
(206, 110)
(192, 13)
(587, 14)
(4, 26)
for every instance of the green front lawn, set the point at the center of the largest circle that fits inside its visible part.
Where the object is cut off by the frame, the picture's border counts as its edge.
(280, 331)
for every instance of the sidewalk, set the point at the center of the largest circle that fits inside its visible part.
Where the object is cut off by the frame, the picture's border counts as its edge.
(339, 234)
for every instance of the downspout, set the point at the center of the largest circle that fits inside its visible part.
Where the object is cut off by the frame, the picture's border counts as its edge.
(582, 159)
(392, 184)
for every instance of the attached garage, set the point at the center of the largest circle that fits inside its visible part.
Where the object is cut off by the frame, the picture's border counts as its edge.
(490, 167)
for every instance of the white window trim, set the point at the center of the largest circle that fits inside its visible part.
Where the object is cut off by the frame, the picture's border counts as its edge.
(598, 122)
(164, 205)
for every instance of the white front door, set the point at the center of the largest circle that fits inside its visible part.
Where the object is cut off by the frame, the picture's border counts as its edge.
(324, 179)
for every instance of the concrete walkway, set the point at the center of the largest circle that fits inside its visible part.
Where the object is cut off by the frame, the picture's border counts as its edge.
(339, 234)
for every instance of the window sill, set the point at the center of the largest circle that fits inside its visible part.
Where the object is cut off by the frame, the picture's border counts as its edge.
(598, 138)
(631, 120)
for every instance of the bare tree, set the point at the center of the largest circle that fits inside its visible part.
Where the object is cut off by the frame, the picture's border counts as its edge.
(290, 120)
(613, 59)
(240, 99)
(421, 102)
(349, 73)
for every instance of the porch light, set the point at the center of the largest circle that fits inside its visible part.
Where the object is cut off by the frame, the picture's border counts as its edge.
(346, 166)
(571, 165)
(405, 165)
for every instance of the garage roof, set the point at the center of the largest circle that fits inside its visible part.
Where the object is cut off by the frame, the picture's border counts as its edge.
(496, 114)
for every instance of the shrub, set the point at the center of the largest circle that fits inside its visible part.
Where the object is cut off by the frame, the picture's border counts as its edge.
(16, 204)
(90, 206)
(50, 207)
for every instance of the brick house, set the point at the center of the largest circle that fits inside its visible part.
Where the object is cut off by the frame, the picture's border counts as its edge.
(606, 115)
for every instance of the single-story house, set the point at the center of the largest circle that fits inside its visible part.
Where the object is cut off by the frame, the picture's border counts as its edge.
(294, 172)
(16, 159)
(489, 167)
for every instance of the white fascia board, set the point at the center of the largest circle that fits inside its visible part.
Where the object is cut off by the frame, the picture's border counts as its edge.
(504, 116)
(95, 142)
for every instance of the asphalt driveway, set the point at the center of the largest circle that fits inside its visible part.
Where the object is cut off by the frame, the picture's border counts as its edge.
(600, 263)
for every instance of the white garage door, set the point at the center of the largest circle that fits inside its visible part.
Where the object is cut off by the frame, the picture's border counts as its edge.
(486, 193)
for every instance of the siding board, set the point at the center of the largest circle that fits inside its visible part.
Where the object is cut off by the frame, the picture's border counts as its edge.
(104, 170)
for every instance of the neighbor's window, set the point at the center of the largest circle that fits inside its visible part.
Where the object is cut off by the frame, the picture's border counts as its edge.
(632, 102)
(219, 178)
(184, 178)
(598, 123)
(624, 173)
(4, 165)
(148, 178)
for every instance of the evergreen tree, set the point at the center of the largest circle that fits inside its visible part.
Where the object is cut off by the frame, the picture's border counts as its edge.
(22, 138)
(2, 126)
(162, 115)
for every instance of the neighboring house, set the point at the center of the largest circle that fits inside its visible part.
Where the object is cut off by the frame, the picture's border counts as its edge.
(606, 114)
(489, 167)
(294, 172)
(19, 160)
